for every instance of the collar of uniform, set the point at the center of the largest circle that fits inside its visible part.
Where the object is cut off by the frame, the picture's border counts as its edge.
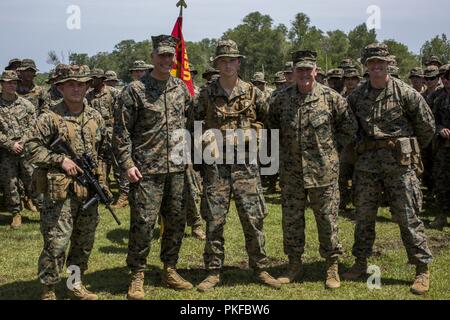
(387, 92)
(239, 89)
(64, 112)
(309, 97)
(9, 103)
(152, 83)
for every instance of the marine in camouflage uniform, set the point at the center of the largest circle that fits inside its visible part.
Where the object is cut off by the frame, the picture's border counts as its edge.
(441, 159)
(192, 202)
(54, 97)
(314, 122)
(102, 99)
(335, 80)
(27, 89)
(17, 118)
(352, 80)
(242, 107)
(432, 81)
(416, 79)
(146, 132)
(62, 219)
(394, 124)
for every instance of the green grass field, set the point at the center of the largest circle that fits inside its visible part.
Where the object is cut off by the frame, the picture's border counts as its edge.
(108, 275)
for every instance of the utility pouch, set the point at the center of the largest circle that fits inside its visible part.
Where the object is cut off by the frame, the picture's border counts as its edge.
(58, 185)
(404, 151)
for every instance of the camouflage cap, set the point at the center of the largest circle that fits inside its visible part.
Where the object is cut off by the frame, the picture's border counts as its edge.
(352, 73)
(376, 51)
(416, 72)
(288, 67)
(393, 61)
(304, 59)
(27, 64)
(279, 77)
(209, 71)
(164, 44)
(9, 75)
(15, 61)
(111, 76)
(258, 77)
(346, 63)
(227, 48)
(394, 71)
(443, 69)
(76, 73)
(321, 72)
(140, 65)
(431, 71)
(98, 73)
(335, 73)
(433, 60)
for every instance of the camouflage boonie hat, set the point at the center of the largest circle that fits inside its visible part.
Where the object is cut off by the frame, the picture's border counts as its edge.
(416, 72)
(433, 60)
(56, 73)
(352, 73)
(279, 77)
(27, 64)
(258, 77)
(227, 48)
(9, 75)
(209, 71)
(11, 62)
(335, 73)
(164, 44)
(431, 72)
(394, 71)
(443, 69)
(346, 64)
(76, 73)
(288, 67)
(377, 51)
(98, 73)
(111, 76)
(140, 65)
(304, 59)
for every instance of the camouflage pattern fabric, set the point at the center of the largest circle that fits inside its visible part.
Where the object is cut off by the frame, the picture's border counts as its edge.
(385, 115)
(36, 95)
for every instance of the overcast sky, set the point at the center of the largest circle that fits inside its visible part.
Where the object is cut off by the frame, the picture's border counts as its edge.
(31, 28)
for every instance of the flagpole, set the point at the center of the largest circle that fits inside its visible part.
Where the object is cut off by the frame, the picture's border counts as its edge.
(182, 4)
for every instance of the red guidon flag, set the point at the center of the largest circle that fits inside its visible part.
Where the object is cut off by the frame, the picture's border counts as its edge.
(181, 68)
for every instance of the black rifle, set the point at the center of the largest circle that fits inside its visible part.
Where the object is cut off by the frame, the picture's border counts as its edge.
(87, 178)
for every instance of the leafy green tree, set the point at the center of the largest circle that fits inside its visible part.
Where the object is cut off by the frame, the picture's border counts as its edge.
(438, 46)
(359, 38)
(406, 60)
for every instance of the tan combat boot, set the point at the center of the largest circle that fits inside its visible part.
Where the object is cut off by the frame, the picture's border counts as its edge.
(198, 233)
(333, 281)
(122, 201)
(48, 293)
(172, 279)
(210, 282)
(421, 284)
(293, 272)
(439, 222)
(81, 293)
(136, 288)
(357, 271)
(28, 204)
(265, 278)
(16, 221)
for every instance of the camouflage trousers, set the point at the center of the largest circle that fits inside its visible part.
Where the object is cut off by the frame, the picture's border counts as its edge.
(244, 182)
(154, 194)
(441, 174)
(324, 202)
(402, 189)
(192, 194)
(120, 177)
(15, 171)
(63, 222)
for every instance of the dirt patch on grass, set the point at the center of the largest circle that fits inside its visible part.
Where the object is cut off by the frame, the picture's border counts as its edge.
(439, 243)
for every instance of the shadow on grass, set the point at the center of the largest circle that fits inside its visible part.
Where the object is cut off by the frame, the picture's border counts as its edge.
(6, 218)
(120, 238)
